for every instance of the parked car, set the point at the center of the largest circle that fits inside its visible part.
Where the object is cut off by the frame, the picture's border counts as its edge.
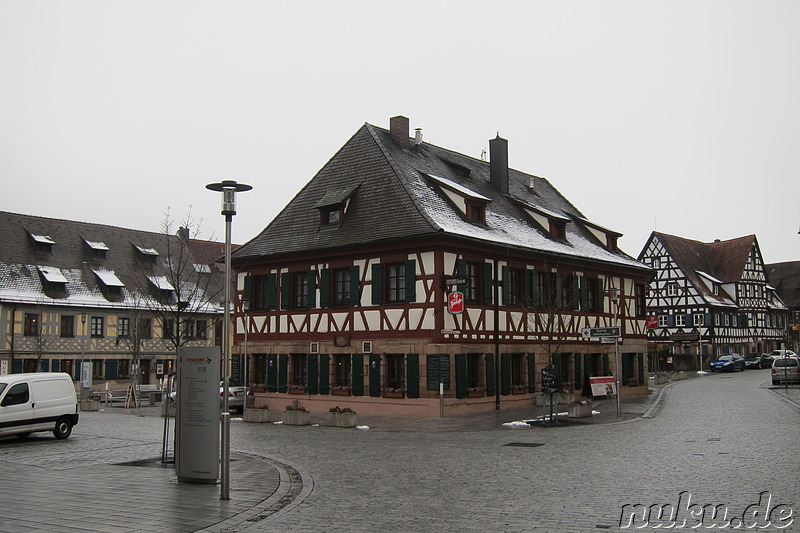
(757, 361)
(786, 370)
(782, 353)
(40, 401)
(728, 362)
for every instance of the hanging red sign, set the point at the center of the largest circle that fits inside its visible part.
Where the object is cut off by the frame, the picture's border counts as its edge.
(455, 303)
(652, 322)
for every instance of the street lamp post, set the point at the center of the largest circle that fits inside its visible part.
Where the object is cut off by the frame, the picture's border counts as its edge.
(618, 367)
(228, 188)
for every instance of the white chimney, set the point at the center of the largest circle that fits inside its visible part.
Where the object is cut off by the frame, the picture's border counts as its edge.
(417, 136)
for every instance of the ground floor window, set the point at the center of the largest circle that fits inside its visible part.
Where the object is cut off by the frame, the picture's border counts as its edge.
(517, 370)
(97, 369)
(30, 365)
(299, 370)
(260, 369)
(124, 368)
(394, 372)
(474, 371)
(343, 371)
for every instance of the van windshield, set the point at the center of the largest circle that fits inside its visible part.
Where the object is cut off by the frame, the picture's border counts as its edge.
(3, 387)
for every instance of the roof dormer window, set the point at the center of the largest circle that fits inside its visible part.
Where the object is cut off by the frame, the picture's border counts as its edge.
(333, 206)
(43, 243)
(476, 212)
(558, 229)
(147, 255)
(97, 249)
(53, 281)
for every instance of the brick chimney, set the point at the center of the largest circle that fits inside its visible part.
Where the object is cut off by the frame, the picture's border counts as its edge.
(398, 128)
(498, 163)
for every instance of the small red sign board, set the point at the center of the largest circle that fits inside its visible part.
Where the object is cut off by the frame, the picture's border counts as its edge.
(455, 303)
(652, 322)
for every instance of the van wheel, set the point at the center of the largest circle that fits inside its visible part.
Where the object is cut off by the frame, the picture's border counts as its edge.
(23, 435)
(63, 428)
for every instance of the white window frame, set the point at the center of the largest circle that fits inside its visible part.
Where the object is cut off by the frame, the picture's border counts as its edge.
(672, 289)
(656, 263)
(697, 319)
(680, 320)
(663, 321)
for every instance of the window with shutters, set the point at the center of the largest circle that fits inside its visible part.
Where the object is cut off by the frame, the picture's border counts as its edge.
(639, 302)
(474, 368)
(67, 326)
(123, 326)
(96, 326)
(300, 289)
(395, 375)
(123, 368)
(31, 324)
(97, 369)
(341, 286)
(680, 320)
(299, 370)
(472, 289)
(343, 371)
(663, 321)
(515, 296)
(698, 319)
(517, 369)
(396, 282)
(201, 329)
(261, 293)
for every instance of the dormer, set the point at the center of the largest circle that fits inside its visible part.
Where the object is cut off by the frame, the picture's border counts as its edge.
(606, 236)
(552, 223)
(54, 283)
(333, 206)
(110, 284)
(97, 250)
(42, 243)
(471, 204)
(147, 255)
(162, 288)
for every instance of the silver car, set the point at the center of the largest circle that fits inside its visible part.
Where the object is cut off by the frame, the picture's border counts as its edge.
(786, 370)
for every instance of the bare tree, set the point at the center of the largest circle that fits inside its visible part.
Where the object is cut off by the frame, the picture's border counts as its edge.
(42, 340)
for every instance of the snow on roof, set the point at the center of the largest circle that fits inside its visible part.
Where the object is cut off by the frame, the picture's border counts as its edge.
(45, 239)
(52, 274)
(203, 269)
(708, 276)
(161, 282)
(97, 245)
(108, 278)
(147, 251)
(458, 187)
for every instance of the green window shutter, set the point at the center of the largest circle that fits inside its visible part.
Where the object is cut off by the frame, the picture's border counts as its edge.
(16, 368)
(313, 374)
(410, 272)
(286, 290)
(584, 292)
(272, 373)
(578, 374)
(56, 365)
(358, 374)
(601, 297)
(312, 288)
(324, 374)
(325, 287)
(576, 301)
(506, 285)
(461, 271)
(248, 288)
(46, 367)
(283, 372)
(490, 374)
(354, 285)
(272, 281)
(488, 283)
(536, 298)
(505, 374)
(528, 287)
(377, 284)
(111, 368)
(412, 375)
(461, 375)
(531, 372)
(559, 287)
(375, 375)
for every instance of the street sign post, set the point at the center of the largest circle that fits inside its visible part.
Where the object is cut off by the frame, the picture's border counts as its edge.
(588, 333)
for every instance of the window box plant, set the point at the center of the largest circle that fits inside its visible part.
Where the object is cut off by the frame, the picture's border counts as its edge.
(258, 414)
(580, 409)
(296, 414)
(393, 393)
(475, 393)
(341, 391)
(297, 389)
(91, 403)
(341, 417)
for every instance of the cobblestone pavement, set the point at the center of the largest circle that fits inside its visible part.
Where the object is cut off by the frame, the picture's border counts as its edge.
(716, 437)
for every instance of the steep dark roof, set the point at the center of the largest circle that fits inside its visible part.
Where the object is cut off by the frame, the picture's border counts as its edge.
(397, 195)
(79, 254)
(785, 277)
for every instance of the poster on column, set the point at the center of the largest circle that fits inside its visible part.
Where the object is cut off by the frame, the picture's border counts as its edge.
(197, 418)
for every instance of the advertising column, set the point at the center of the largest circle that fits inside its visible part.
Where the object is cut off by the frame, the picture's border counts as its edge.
(197, 416)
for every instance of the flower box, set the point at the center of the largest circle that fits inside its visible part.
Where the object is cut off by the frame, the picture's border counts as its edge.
(255, 414)
(296, 418)
(475, 394)
(580, 410)
(341, 392)
(342, 419)
(90, 404)
(393, 394)
(297, 390)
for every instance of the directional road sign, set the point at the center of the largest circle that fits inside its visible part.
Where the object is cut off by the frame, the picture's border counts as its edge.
(588, 333)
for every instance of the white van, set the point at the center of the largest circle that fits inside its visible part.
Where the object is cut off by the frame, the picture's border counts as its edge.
(40, 401)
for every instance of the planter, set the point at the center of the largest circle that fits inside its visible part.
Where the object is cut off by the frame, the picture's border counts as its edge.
(296, 418)
(475, 394)
(660, 380)
(256, 415)
(580, 410)
(677, 376)
(393, 394)
(90, 405)
(297, 390)
(342, 420)
(341, 392)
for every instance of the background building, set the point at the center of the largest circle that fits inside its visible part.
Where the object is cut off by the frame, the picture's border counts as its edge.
(122, 299)
(403, 266)
(710, 299)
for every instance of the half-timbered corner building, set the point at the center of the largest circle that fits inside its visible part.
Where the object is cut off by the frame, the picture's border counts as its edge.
(711, 298)
(404, 270)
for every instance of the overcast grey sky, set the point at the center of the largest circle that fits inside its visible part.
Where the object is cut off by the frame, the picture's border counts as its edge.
(680, 116)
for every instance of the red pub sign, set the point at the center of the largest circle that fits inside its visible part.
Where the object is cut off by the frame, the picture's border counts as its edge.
(455, 303)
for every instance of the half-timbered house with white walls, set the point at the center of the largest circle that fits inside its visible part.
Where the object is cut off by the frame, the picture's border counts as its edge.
(707, 299)
(121, 299)
(785, 277)
(409, 279)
